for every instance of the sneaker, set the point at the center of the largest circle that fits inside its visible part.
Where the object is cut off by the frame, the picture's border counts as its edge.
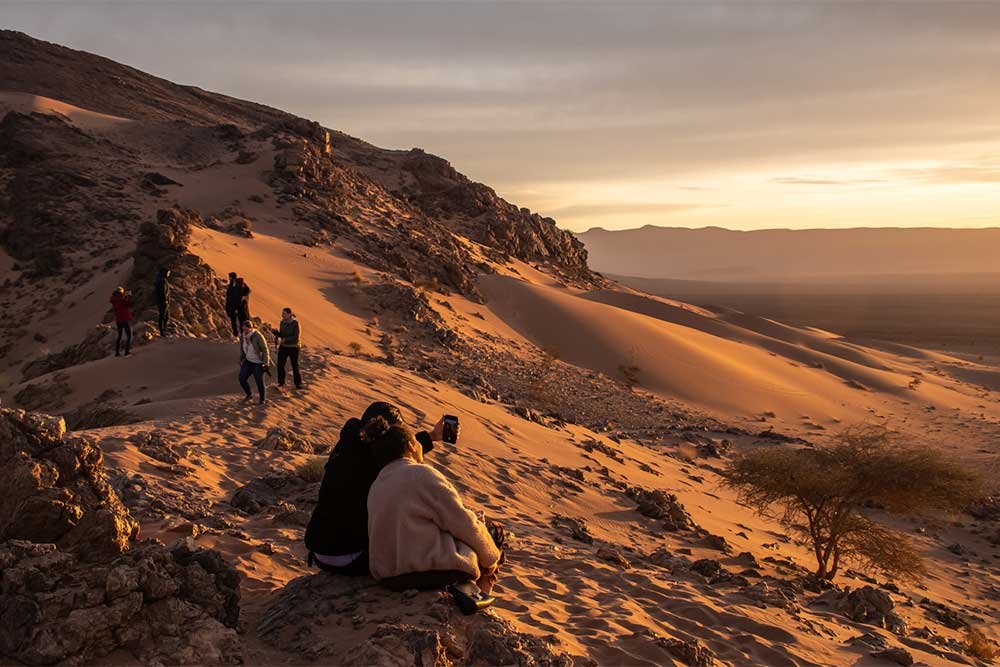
(246, 399)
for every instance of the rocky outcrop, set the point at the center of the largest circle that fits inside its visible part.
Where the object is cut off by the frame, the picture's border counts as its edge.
(477, 212)
(96, 345)
(178, 606)
(75, 587)
(55, 489)
(410, 629)
(281, 439)
(197, 306)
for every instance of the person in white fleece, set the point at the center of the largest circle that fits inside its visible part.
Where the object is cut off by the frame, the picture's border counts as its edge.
(420, 535)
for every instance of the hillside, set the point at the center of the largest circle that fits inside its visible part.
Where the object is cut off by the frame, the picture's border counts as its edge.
(595, 417)
(893, 255)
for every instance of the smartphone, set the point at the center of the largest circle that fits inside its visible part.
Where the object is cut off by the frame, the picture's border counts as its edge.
(450, 432)
(469, 598)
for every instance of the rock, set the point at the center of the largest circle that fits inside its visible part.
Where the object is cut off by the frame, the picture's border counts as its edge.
(156, 445)
(282, 439)
(55, 489)
(576, 528)
(871, 605)
(658, 504)
(196, 293)
(987, 509)
(870, 641)
(768, 596)
(613, 556)
(98, 343)
(164, 607)
(896, 654)
(944, 615)
(274, 491)
(691, 652)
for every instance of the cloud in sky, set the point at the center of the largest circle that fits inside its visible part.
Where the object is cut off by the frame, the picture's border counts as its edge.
(532, 98)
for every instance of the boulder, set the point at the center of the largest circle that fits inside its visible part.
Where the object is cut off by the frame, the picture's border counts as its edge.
(55, 489)
(871, 605)
(896, 654)
(175, 606)
(282, 439)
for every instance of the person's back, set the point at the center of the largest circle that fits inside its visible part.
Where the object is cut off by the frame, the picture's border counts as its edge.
(418, 524)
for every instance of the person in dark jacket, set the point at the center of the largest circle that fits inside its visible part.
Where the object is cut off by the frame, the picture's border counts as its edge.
(161, 290)
(121, 303)
(243, 307)
(255, 361)
(288, 333)
(233, 303)
(337, 533)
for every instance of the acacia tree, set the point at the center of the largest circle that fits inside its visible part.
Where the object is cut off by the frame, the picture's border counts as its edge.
(822, 493)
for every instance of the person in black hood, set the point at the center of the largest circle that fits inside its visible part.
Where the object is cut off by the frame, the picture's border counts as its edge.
(337, 533)
(234, 295)
(161, 290)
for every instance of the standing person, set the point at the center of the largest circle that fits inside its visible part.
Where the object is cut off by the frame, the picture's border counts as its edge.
(288, 333)
(233, 303)
(243, 309)
(255, 360)
(162, 291)
(121, 302)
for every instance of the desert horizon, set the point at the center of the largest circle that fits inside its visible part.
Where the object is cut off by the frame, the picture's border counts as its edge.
(273, 394)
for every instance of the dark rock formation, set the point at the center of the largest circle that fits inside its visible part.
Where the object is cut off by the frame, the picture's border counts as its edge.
(896, 654)
(282, 439)
(55, 489)
(197, 306)
(96, 345)
(576, 528)
(165, 606)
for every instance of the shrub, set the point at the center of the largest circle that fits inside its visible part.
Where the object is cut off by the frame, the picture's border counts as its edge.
(354, 347)
(979, 645)
(312, 470)
(821, 493)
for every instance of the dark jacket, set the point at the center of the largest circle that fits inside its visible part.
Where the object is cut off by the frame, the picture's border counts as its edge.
(339, 522)
(161, 289)
(233, 297)
(288, 331)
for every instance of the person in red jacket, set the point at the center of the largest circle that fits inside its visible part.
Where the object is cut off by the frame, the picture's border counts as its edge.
(121, 302)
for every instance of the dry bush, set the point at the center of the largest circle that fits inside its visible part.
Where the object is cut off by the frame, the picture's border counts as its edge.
(821, 493)
(978, 645)
(354, 347)
(631, 374)
(312, 470)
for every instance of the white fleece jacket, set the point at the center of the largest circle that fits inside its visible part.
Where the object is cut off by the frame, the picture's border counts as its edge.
(417, 523)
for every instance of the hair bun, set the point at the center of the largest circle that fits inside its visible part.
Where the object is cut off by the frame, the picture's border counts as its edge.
(374, 429)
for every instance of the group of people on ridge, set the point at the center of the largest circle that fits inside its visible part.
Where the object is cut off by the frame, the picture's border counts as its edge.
(383, 512)
(255, 357)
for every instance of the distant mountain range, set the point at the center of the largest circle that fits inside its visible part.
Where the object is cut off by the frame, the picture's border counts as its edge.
(716, 254)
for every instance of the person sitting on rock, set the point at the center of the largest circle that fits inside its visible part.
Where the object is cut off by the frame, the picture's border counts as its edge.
(121, 303)
(255, 360)
(161, 290)
(288, 333)
(233, 297)
(337, 533)
(420, 534)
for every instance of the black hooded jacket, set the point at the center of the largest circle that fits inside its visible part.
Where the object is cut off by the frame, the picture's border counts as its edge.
(339, 522)
(161, 288)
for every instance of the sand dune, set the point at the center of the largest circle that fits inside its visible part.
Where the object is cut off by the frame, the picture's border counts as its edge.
(27, 103)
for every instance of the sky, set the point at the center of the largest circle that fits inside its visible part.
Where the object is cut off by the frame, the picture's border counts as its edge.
(745, 115)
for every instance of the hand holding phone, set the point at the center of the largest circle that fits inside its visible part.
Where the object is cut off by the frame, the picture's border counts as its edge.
(450, 431)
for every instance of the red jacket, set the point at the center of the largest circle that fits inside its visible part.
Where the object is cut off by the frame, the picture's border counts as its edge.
(122, 306)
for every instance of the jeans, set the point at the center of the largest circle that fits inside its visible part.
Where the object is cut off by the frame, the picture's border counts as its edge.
(234, 321)
(164, 318)
(123, 328)
(291, 354)
(257, 371)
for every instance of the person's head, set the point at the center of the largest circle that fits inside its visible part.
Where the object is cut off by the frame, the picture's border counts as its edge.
(119, 290)
(247, 326)
(232, 276)
(239, 281)
(390, 442)
(286, 313)
(387, 411)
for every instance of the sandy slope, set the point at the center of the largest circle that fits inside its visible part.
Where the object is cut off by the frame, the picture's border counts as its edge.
(83, 118)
